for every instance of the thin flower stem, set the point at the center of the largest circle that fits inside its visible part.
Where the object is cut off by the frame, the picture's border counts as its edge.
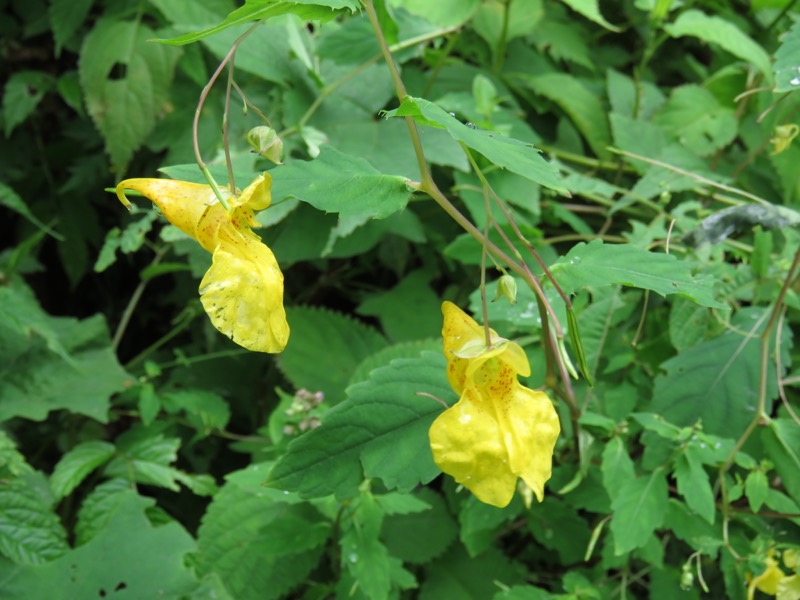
(226, 126)
(201, 102)
(133, 302)
(484, 252)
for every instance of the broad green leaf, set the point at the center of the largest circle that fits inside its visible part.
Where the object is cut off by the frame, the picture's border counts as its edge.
(66, 17)
(617, 467)
(98, 507)
(639, 509)
(77, 463)
(782, 444)
(255, 10)
(150, 564)
(408, 311)
(692, 529)
(755, 488)
(511, 154)
(498, 22)
(381, 430)
(720, 31)
(445, 13)
(523, 592)
(79, 373)
(591, 10)
(420, 537)
(689, 323)
(206, 410)
(23, 92)
(125, 81)
(383, 357)
(12, 461)
(337, 183)
(457, 575)
(30, 531)
(596, 264)
(656, 423)
(694, 116)
(9, 198)
(694, 484)
(718, 380)
(581, 104)
(787, 61)
(147, 460)
(260, 542)
(326, 348)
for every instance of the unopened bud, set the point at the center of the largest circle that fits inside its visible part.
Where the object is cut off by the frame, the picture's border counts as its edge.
(507, 288)
(265, 141)
(783, 137)
(687, 578)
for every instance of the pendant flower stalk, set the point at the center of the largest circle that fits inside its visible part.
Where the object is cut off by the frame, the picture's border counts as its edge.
(499, 430)
(242, 292)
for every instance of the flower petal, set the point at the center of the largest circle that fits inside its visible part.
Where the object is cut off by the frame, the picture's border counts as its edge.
(242, 294)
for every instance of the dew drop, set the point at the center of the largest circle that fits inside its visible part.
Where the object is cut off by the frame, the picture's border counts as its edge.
(795, 81)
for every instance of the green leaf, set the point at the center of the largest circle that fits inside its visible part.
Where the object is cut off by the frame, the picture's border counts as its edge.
(321, 337)
(30, 531)
(10, 199)
(617, 467)
(420, 537)
(582, 105)
(408, 311)
(125, 81)
(338, 183)
(696, 118)
(444, 13)
(23, 92)
(382, 427)
(66, 17)
(144, 459)
(205, 410)
(694, 484)
(77, 463)
(80, 378)
(720, 31)
(717, 380)
(591, 10)
(481, 523)
(689, 323)
(383, 357)
(497, 22)
(511, 154)
(755, 488)
(456, 575)
(255, 10)
(133, 566)
(639, 509)
(692, 529)
(98, 507)
(596, 264)
(782, 443)
(557, 526)
(526, 592)
(260, 542)
(787, 61)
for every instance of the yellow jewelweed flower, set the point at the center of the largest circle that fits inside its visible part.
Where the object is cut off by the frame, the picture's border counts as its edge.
(242, 292)
(499, 430)
(768, 581)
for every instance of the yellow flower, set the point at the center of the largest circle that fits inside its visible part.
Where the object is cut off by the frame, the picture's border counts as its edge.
(767, 581)
(242, 292)
(499, 430)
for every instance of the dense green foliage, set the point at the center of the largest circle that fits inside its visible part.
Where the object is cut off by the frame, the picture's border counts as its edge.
(143, 454)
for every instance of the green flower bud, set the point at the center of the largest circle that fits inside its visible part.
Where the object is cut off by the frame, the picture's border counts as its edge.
(265, 141)
(507, 288)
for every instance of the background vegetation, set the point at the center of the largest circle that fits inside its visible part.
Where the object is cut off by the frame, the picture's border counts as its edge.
(144, 455)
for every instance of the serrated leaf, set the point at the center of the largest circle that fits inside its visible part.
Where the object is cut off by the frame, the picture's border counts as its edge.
(255, 10)
(30, 531)
(597, 264)
(617, 467)
(420, 537)
(782, 443)
(697, 119)
(76, 464)
(639, 509)
(383, 357)
(335, 182)
(720, 31)
(124, 108)
(787, 61)
(205, 409)
(147, 460)
(133, 566)
(326, 348)
(259, 542)
(381, 428)
(505, 152)
(718, 380)
(66, 17)
(98, 507)
(591, 10)
(694, 484)
(688, 323)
